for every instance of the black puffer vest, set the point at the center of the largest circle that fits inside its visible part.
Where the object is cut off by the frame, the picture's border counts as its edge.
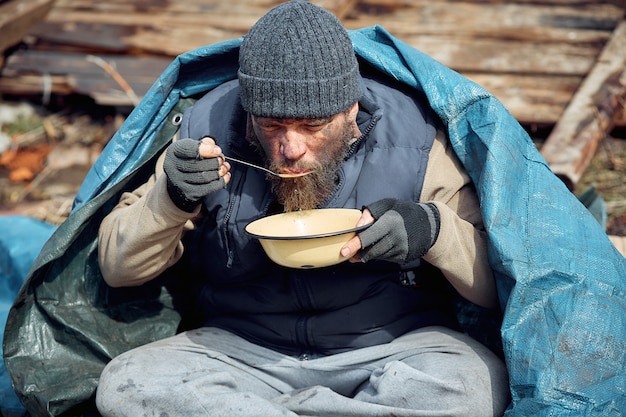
(326, 310)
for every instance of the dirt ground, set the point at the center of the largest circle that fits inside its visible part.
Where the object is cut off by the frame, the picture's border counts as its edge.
(45, 152)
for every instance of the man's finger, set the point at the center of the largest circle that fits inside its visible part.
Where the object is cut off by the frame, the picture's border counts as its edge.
(208, 148)
(351, 248)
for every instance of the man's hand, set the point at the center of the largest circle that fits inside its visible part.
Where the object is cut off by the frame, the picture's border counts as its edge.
(194, 169)
(403, 232)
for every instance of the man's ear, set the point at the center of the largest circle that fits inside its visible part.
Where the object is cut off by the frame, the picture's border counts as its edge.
(249, 129)
(352, 113)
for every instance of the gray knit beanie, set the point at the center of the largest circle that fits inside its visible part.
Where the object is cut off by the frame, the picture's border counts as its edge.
(298, 61)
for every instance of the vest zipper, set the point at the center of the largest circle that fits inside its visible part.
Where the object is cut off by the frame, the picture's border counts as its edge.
(237, 184)
(233, 201)
(301, 332)
(229, 212)
(302, 294)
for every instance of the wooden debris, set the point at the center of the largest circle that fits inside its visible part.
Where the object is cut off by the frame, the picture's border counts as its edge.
(116, 76)
(531, 54)
(17, 17)
(73, 73)
(591, 114)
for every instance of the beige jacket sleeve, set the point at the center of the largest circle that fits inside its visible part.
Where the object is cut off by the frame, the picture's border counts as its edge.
(460, 250)
(141, 237)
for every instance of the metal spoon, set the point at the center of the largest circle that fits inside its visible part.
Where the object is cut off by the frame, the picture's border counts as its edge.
(301, 174)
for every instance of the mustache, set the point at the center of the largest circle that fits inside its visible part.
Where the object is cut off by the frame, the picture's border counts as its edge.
(306, 192)
(278, 166)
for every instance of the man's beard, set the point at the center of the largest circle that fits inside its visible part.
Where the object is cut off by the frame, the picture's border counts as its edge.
(312, 190)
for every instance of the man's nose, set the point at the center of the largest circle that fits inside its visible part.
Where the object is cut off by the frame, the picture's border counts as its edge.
(293, 146)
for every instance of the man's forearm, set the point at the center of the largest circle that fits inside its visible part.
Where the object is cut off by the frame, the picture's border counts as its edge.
(140, 238)
(460, 253)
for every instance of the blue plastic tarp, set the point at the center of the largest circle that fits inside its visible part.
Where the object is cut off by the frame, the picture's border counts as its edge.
(562, 284)
(21, 239)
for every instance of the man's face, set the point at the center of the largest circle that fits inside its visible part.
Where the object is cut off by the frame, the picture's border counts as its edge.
(296, 145)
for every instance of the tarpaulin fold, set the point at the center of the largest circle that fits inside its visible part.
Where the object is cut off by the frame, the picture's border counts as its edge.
(561, 283)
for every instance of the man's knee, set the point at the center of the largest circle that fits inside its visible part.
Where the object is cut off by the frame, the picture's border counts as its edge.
(459, 392)
(109, 388)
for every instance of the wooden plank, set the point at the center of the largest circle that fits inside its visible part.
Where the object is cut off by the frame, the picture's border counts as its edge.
(591, 114)
(170, 29)
(74, 73)
(37, 85)
(17, 17)
(536, 101)
(531, 55)
(464, 35)
(499, 37)
(505, 56)
(539, 22)
(166, 28)
(51, 62)
(464, 55)
(84, 36)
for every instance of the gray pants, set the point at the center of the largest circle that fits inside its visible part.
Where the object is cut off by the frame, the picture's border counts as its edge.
(210, 372)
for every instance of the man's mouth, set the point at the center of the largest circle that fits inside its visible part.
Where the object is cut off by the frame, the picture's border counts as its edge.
(295, 171)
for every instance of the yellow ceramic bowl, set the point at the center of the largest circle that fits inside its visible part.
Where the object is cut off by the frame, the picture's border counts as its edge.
(308, 238)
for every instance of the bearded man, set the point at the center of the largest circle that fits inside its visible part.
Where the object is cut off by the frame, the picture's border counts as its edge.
(375, 335)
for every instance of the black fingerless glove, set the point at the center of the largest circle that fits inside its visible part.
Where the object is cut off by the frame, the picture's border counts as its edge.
(189, 177)
(403, 231)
